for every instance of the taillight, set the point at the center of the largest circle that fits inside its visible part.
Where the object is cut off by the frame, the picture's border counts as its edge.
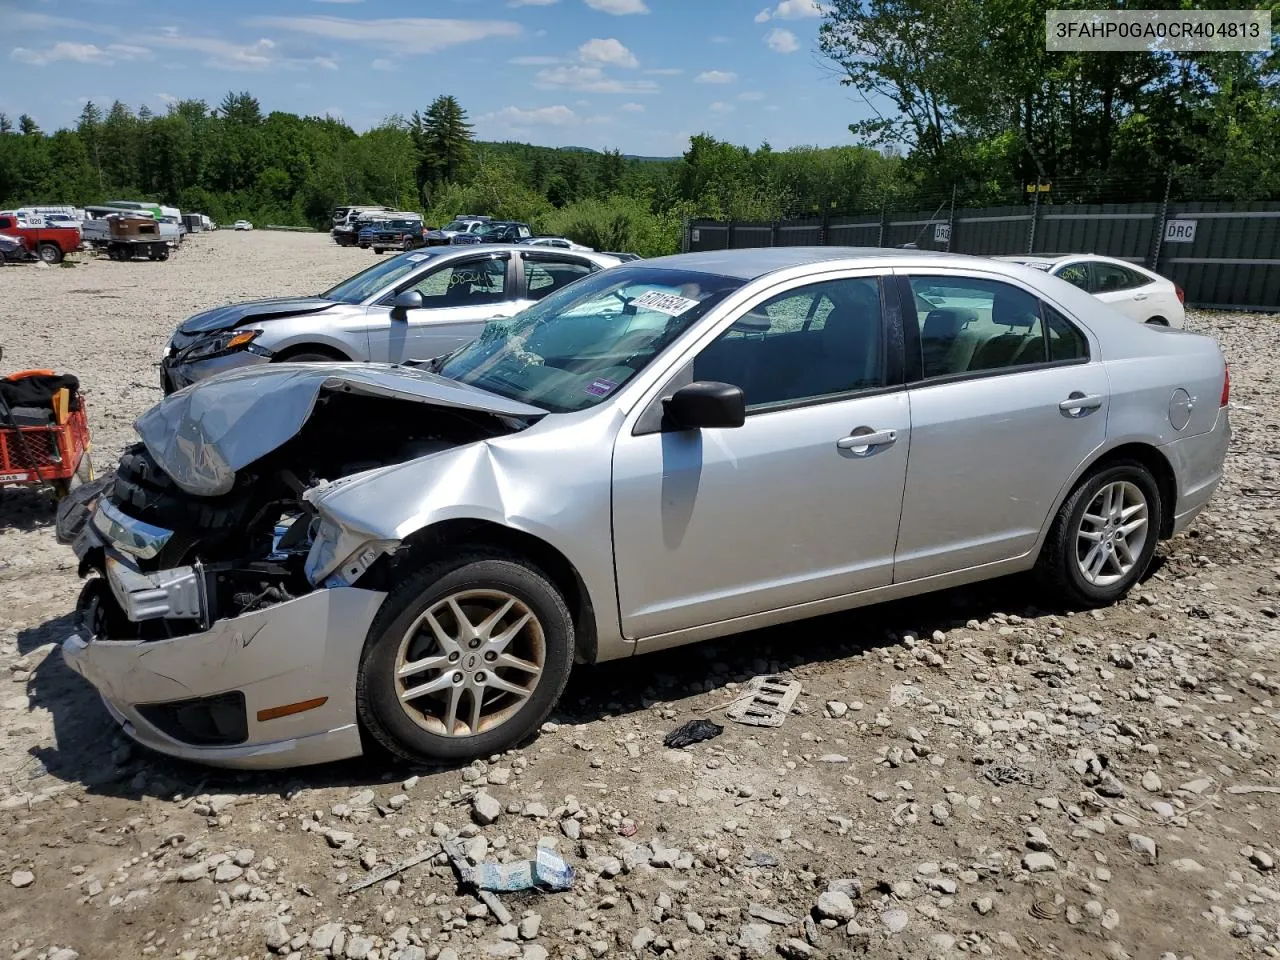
(1182, 294)
(1226, 387)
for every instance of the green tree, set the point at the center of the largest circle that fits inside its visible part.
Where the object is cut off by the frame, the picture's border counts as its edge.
(610, 169)
(27, 126)
(6, 125)
(443, 141)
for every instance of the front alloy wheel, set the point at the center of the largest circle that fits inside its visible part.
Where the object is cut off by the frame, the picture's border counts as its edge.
(465, 659)
(469, 663)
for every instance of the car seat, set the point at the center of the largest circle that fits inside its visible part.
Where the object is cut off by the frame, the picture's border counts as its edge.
(1018, 313)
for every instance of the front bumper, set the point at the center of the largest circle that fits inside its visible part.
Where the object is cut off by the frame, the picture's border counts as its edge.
(174, 376)
(303, 650)
(1198, 465)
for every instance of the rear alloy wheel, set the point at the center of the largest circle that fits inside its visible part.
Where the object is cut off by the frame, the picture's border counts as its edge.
(1104, 536)
(50, 253)
(467, 659)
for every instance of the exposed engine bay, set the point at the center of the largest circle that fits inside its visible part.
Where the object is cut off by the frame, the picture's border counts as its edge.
(170, 563)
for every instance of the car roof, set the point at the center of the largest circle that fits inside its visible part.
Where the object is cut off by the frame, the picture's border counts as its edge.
(756, 262)
(462, 250)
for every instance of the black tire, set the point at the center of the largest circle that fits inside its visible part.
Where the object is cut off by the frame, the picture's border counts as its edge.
(379, 251)
(50, 253)
(377, 703)
(311, 355)
(1058, 568)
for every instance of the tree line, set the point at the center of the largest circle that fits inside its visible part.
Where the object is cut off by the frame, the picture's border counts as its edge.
(234, 161)
(966, 105)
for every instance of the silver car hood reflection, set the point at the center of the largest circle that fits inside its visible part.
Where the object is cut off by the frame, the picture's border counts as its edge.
(202, 435)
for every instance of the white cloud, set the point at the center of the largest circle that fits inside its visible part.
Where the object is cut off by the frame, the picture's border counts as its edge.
(558, 116)
(405, 35)
(589, 80)
(791, 10)
(326, 63)
(80, 53)
(721, 107)
(751, 96)
(632, 107)
(664, 72)
(609, 51)
(720, 38)
(15, 20)
(619, 8)
(225, 55)
(782, 41)
(168, 98)
(716, 76)
(382, 63)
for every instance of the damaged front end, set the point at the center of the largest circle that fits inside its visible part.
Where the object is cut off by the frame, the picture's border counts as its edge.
(224, 614)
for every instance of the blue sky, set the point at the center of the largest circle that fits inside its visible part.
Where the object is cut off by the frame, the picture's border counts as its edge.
(638, 75)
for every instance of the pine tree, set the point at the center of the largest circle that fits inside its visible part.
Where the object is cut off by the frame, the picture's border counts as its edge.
(89, 127)
(5, 125)
(27, 126)
(609, 170)
(443, 140)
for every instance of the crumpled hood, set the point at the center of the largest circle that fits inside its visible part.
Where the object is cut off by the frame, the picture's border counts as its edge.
(238, 314)
(202, 435)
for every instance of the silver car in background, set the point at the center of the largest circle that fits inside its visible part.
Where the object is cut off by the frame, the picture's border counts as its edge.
(300, 559)
(415, 306)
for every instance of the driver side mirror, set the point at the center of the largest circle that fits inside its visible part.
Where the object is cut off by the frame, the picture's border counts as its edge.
(704, 404)
(405, 301)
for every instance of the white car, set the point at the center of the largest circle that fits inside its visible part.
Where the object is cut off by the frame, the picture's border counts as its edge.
(243, 225)
(563, 243)
(1135, 291)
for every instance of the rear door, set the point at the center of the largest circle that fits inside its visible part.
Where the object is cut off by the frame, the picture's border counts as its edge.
(1123, 289)
(1008, 397)
(458, 296)
(546, 270)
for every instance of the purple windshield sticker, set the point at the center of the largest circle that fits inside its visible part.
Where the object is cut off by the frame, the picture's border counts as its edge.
(601, 387)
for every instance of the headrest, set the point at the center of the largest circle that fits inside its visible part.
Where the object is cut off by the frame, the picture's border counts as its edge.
(943, 325)
(1014, 311)
(847, 331)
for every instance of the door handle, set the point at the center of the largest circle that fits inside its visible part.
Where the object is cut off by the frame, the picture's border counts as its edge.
(1078, 405)
(865, 443)
(1139, 296)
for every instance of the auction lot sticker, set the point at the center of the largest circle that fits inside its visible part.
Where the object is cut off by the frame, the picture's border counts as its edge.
(667, 303)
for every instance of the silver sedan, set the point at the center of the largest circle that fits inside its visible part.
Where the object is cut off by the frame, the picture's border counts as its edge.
(300, 559)
(415, 306)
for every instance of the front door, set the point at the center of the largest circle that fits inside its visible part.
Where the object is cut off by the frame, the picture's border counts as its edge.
(795, 505)
(995, 433)
(457, 298)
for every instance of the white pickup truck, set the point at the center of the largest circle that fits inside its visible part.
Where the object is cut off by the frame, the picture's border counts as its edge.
(96, 231)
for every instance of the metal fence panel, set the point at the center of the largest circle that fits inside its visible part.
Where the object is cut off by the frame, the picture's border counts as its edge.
(1110, 229)
(853, 232)
(799, 233)
(991, 232)
(1233, 260)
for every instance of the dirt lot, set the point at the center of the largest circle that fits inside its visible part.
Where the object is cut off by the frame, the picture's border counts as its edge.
(968, 774)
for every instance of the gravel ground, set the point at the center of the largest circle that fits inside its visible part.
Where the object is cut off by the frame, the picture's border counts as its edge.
(963, 774)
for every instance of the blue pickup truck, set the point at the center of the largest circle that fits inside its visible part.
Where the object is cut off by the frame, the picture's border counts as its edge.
(396, 232)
